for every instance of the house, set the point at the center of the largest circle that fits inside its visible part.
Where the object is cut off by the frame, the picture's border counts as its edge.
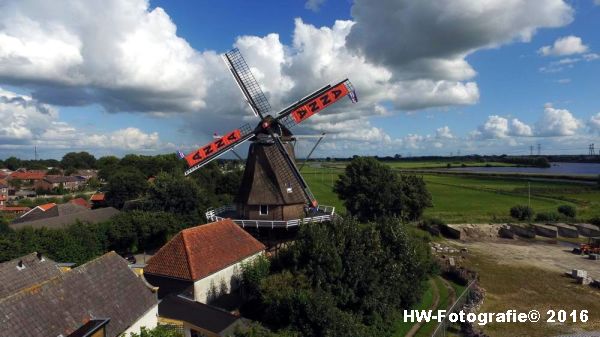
(50, 210)
(81, 202)
(25, 272)
(198, 319)
(27, 178)
(61, 221)
(3, 199)
(70, 183)
(86, 174)
(100, 298)
(14, 210)
(3, 187)
(203, 261)
(98, 200)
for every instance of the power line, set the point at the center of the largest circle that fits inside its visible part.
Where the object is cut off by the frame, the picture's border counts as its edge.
(592, 150)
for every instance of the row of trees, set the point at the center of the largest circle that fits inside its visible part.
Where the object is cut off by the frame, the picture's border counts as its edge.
(343, 279)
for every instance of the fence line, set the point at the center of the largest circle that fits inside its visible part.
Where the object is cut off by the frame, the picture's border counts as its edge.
(441, 329)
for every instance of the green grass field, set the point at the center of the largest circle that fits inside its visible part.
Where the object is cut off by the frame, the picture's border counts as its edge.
(475, 199)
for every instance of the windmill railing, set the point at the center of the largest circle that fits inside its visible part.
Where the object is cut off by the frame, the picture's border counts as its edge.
(328, 213)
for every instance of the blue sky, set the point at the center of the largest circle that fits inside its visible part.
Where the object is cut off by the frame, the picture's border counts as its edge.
(433, 78)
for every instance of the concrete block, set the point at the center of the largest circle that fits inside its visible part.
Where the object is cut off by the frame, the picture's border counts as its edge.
(576, 273)
(450, 232)
(506, 233)
(451, 262)
(545, 231)
(566, 231)
(594, 256)
(522, 231)
(587, 230)
(584, 280)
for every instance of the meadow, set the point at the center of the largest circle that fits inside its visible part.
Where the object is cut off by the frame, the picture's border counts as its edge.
(474, 199)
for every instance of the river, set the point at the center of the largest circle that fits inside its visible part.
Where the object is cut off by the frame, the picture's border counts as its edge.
(555, 168)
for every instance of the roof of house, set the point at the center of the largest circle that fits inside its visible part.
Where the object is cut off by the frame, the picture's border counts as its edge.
(202, 315)
(36, 268)
(267, 179)
(97, 197)
(47, 206)
(200, 251)
(28, 175)
(62, 179)
(90, 216)
(80, 202)
(102, 288)
(14, 209)
(49, 211)
(3, 197)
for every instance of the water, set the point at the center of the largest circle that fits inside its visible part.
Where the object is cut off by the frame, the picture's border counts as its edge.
(556, 168)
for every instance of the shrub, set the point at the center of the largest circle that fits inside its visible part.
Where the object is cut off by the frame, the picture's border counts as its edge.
(521, 212)
(432, 225)
(595, 221)
(547, 216)
(567, 210)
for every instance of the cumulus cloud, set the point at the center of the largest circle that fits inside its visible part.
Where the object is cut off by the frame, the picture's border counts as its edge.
(314, 5)
(430, 39)
(557, 122)
(27, 122)
(567, 45)
(444, 133)
(497, 127)
(117, 53)
(594, 122)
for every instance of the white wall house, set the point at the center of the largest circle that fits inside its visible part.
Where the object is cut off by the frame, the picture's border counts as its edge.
(203, 262)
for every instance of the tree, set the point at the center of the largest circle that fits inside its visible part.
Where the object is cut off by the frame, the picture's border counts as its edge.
(370, 190)
(12, 163)
(521, 212)
(54, 171)
(158, 331)
(176, 194)
(78, 160)
(127, 184)
(567, 210)
(345, 279)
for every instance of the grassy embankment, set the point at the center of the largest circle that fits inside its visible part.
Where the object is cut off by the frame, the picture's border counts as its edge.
(475, 199)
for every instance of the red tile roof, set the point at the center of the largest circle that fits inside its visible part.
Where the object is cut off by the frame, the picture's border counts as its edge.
(97, 197)
(80, 202)
(46, 207)
(3, 197)
(200, 251)
(28, 175)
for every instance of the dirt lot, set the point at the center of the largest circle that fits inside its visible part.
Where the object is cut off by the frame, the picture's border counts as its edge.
(524, 275)
(554, 257)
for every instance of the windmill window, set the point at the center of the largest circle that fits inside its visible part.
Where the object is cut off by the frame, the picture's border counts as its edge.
(264, 209)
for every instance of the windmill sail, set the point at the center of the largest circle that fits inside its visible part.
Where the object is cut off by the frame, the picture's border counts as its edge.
(217, 148)
(247, 83)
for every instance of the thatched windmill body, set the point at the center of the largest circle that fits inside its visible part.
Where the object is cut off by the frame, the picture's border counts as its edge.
(272, 187)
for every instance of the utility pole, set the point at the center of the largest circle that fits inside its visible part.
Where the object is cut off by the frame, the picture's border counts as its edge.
(592, 150)
(35, 152)
(539, 148)
(531, 150)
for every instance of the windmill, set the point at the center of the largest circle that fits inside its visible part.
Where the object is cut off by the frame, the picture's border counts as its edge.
(272, 186)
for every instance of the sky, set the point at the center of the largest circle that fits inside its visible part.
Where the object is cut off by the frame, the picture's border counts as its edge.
(432, 77)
